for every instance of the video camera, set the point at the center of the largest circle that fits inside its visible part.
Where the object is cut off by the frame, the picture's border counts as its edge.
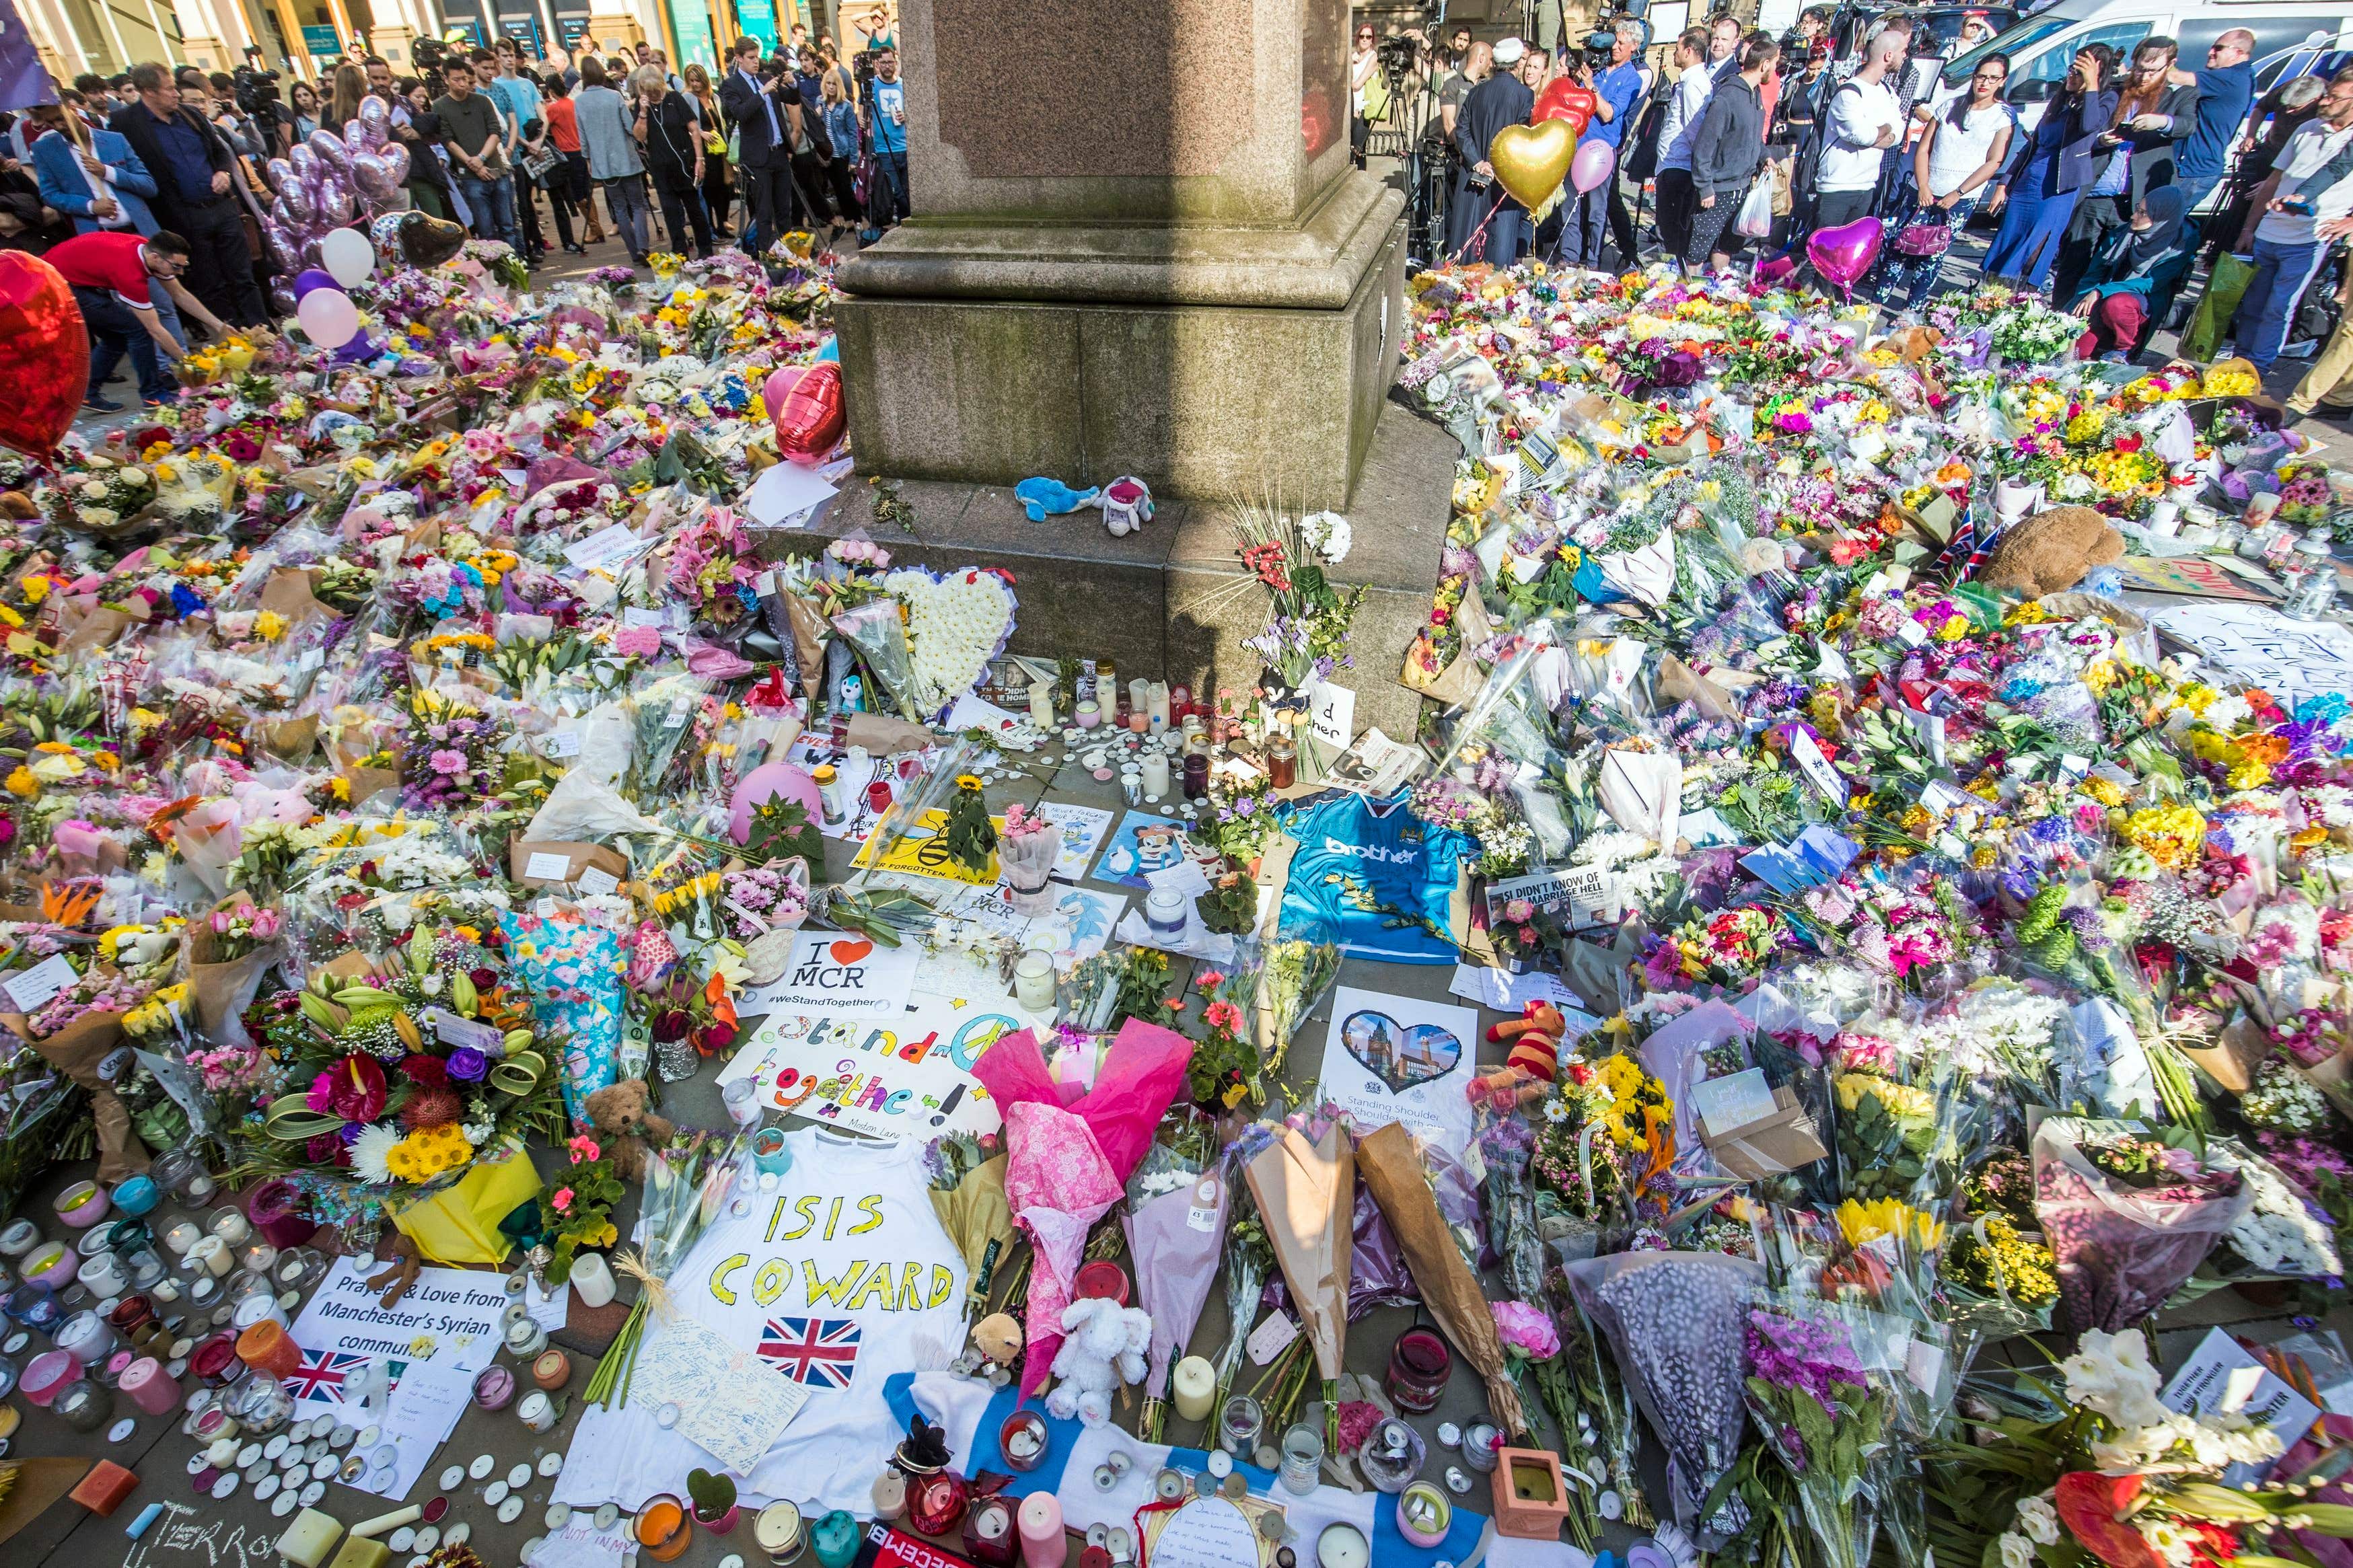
(256, 91)
(862, 66)
(429, 54)
(1397, 54)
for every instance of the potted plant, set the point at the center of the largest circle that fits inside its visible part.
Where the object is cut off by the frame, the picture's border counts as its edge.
(714, 1500)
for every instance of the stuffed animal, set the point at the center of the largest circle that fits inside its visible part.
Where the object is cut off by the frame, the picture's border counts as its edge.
(996, 1346)
(1535, 1039)
(399, 1273)
(1043, 498)
(1127, 506)
(2051, 551)
(1103, 1347)
(625, 1128)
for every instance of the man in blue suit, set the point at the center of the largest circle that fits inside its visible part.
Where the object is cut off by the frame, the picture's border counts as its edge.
(101, 186)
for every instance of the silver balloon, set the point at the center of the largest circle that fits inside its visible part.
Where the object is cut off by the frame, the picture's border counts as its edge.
(335, 205)
(395, 162)
(375, 124)
(331, 149)
(374, 181)
(304, 162)
(285, 250)
(281, 174)
(294, 204)
(353, 143)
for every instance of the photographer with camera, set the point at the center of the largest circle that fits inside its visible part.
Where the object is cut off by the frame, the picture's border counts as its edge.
(885, 97)
(1610, 72)
(768, 127)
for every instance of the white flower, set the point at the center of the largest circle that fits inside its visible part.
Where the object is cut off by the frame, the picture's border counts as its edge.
(2167, 1539)
(2111, 1373)
(371, 1150)
(2038, 1520)
(1328, 534)
(2017, 1552)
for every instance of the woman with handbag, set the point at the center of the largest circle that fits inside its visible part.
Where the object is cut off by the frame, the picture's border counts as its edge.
(2036, 195)
(1963, 149)
(665, 126)
(718, 176)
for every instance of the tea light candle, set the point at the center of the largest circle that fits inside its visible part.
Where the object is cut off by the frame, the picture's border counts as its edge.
(1043, 1544)
(229, 1224)
(1042, 704)
(1156, 772)
(20, 1237)
(211, 1255)
(181, 1237)
(1195, 1383)
(257, 1255)
(1342, 1546)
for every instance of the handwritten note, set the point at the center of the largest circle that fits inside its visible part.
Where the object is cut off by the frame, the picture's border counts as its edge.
(730, 1403)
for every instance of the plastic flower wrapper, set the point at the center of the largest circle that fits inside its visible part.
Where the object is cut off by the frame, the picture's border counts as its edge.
(1811, 1396)
(1304, 1189)
(966, 1188)
(1597, 1384)
(875, 630)
(1377, 1275)
(2129, 1216)
(1394, 1174)
(1299, 971)
(1676, 1321)
(664, 712)
(685, 1187)
(1175, 1240)
(1899, 1123)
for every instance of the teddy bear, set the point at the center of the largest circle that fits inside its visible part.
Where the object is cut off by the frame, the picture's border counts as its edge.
(2053, 551)
(1103, 1347)
(1535, 1039)
(625, 1129)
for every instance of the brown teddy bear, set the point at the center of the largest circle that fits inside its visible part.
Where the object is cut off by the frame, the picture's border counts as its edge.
(625, 1128)
(2053, 551)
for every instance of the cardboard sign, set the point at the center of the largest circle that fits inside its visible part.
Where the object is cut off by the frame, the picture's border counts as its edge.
(906, 1076)
(1783, 1139)
(838, 974)
(921, 852)
(1398, 1058)
(2220, 1378)
(1579, 896)
(560, 863)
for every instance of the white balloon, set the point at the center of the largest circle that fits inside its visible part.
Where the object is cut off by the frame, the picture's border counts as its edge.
(328, 318)
(349, 256)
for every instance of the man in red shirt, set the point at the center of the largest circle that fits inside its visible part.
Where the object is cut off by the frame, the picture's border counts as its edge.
(113, 274)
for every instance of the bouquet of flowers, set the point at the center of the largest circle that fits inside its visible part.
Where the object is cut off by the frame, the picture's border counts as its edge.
(1306, 634)
(1808, 1393)
(2129, 1215)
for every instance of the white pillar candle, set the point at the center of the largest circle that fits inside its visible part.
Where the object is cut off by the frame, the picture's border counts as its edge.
(1155, 772)
(230, 1224)
(1195, 1383)
(181, 1237)
(591, 1281)
(1042, 704)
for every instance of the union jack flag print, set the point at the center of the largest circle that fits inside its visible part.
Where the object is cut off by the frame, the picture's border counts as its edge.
(321, 1375)
(821, 1352)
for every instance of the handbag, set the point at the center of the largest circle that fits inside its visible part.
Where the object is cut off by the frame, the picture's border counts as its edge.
(1929, 238)
(541, 163)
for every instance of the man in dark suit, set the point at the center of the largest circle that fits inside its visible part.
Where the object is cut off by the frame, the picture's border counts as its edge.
(768, 126)
(195, 172)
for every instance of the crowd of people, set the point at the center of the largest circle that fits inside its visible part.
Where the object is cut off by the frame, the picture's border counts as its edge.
(1729, 141)
(173, 171)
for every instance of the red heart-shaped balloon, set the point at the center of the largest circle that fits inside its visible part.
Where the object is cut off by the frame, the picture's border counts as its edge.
(805, 404)
(1564, 100)
(44, 354)
(848, 951)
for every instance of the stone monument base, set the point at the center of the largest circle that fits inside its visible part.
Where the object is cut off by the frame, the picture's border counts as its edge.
(1173, 601)
(1209, 361)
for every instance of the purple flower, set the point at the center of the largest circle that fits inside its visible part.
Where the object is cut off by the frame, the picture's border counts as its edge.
(1525, 1329)
(468, 1065)
(1798, 1353)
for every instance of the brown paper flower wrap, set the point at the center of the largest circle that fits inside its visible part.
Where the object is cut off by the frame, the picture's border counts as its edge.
(1306, 1194)
(1391, 1167)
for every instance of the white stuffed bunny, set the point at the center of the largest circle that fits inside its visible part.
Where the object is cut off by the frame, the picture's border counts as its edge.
(1103, 1347)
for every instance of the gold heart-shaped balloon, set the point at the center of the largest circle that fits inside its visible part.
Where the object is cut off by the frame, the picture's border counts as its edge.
(1532, 160)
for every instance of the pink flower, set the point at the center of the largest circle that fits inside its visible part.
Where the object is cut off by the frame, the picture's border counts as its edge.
(584, 1148)
(1525, 1329)
(1519, 911)
(641, 641)
(449, 762)
(1223, 1015)
(561, 1200)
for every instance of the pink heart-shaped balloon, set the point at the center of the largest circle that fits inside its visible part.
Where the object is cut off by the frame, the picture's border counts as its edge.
(1842, 255)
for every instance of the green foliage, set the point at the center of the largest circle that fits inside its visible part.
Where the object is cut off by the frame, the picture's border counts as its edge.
(714, 1495)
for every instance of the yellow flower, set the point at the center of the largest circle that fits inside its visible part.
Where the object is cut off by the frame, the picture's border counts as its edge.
(269, 626)
(1916, 1231)
(1901, 1100)
(22, 782)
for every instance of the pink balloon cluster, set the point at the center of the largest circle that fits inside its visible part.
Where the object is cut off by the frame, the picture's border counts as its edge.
(326, 182)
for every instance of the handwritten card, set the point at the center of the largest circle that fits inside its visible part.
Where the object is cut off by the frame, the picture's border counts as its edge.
(730, 1403)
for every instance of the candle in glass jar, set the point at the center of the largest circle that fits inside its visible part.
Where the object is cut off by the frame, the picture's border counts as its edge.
(1194, 1383)
(1196, 775)
(1342, 1546)
(1042, 704)
(257, 1255)
(229, 1224)
(1033, 981)
(181, 1237)
(1088, 714)
(211, 1255)
(1139, 697)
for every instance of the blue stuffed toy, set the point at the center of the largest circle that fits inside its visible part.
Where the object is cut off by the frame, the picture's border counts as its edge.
(1042, 499)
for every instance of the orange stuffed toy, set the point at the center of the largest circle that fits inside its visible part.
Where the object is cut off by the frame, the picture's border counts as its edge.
(1536, 1037)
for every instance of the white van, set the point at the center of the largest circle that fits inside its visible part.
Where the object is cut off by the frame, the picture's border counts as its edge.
(2040, 46)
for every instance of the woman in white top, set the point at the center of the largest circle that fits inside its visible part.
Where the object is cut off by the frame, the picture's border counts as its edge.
(1961, 151)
